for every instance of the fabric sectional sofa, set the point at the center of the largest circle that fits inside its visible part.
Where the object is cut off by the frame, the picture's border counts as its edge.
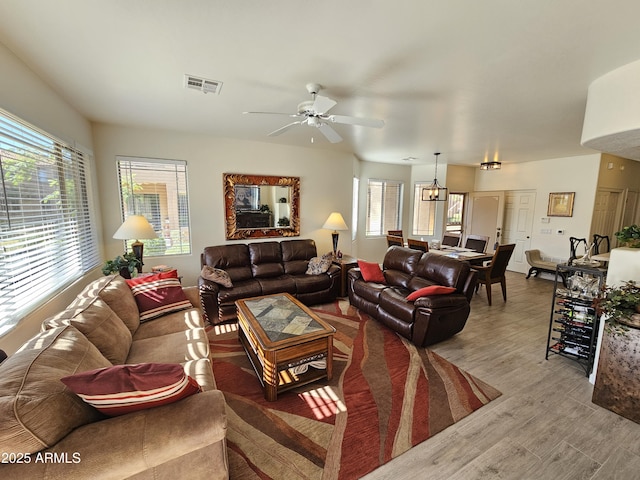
(47, 431)
(263, 268)
(433, 316)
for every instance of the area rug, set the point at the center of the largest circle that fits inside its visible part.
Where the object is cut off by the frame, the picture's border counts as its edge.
(386, 396)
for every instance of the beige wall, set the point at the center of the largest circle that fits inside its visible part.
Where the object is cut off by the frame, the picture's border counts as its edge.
(570, 174)
(325, 184)
(25, 95)
(623, 173)
(374, 248)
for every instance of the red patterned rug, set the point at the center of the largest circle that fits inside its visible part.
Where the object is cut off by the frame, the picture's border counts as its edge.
(386, 396)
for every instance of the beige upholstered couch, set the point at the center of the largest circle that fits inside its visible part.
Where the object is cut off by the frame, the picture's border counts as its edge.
(47, 432)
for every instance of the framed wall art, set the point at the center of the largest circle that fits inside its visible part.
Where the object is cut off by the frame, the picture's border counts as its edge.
(560, 204)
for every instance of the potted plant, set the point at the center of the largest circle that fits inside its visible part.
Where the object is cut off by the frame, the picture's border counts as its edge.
(622, 305)
(283, 222)
(125, 264)
(629, 236)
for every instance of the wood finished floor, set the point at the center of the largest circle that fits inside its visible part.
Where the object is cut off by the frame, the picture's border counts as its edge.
(544, 425)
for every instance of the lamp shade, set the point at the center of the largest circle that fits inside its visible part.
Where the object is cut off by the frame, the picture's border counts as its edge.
(335, 222)
(135, 227)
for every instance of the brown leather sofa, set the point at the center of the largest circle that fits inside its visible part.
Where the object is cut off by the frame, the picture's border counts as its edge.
(429, 319)
(261, 269)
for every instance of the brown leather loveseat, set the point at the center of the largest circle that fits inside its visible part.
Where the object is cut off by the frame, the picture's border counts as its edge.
(263, 268)
(429, 319)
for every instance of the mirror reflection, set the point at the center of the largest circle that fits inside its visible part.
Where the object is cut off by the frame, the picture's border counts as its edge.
(261, 206)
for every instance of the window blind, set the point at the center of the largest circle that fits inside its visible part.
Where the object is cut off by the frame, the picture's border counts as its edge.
(384, 207)
(157, 189)
(47, 236)
(424, 213)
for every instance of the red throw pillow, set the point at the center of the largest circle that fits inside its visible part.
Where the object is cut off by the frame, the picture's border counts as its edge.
(371, 272)
(127, 388)
(158, 294)
(430, 290)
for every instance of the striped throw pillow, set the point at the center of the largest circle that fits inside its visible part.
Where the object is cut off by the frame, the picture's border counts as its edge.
(158, 294)
(123, 389)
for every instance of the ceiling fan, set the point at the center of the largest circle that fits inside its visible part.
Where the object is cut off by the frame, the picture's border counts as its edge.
(314, 114)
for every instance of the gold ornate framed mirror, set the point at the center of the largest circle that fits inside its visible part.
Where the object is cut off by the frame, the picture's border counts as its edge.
(261, 206)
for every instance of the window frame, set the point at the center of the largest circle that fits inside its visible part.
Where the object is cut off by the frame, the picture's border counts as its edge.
(385, 225)
(48, 234)
(167, 179)
(456, 227)
(418, 204)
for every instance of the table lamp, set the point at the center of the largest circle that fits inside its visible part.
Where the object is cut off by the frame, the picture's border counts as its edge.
(135, 226)
(335, 222)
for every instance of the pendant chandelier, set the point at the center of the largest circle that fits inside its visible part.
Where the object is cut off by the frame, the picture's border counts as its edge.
(435, 192)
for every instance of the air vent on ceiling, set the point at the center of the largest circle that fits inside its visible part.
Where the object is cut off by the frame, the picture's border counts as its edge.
(202, 84)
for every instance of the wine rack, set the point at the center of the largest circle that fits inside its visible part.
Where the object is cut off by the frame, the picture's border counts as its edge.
(574, 321)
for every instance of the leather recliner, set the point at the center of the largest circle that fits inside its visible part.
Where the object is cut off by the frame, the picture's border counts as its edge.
(429, 319)
(263, 268)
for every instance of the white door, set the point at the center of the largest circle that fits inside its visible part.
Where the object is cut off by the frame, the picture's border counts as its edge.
(518, 226)
(485, 216)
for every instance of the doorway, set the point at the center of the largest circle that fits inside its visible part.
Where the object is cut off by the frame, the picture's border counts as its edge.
(486, 214)
(607, 213)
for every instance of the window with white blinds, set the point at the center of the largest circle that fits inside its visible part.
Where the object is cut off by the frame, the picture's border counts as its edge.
(157, 189)
(47, 235)
(424, 213)
(384, 207)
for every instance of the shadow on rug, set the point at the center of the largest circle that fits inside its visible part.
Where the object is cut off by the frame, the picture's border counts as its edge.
(386, 396)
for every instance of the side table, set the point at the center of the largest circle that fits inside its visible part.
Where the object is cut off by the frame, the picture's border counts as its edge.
(345, 263)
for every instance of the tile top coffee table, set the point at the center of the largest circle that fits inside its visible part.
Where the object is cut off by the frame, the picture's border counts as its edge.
(287, 344)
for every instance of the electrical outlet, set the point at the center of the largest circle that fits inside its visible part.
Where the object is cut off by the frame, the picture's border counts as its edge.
(545, 231)
(560, 232)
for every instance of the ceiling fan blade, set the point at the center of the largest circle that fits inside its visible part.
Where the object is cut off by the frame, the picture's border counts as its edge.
(323, 104)
(293, 115)
(365, 122)
(284, 129)
(330, 133)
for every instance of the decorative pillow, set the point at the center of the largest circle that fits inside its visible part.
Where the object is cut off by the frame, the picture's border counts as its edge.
(371, 272)
(216, 275)
(97, 322)
(127, 388)
(158, 294)
(318, 265)
(430, 290)
(36, 410)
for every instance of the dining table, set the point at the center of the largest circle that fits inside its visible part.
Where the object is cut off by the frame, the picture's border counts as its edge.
(465, 254)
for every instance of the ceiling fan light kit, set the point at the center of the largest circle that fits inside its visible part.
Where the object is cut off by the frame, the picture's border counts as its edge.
(435, 192)
(313, 113)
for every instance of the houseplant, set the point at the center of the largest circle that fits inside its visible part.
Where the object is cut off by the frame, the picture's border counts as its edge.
(125, 264)
(629, 236)
(622, 304)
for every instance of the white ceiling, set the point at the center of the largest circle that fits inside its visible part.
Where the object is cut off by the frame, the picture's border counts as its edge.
(471, 79)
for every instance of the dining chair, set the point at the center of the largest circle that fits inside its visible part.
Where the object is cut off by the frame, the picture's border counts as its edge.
(574, 243)
(394, 240)
(418, 244)
(495, 271)
(451, 239)
(395, 233)
(601, 244)
(478, 243)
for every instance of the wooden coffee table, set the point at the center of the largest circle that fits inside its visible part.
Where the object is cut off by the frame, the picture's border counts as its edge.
(287, 344)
